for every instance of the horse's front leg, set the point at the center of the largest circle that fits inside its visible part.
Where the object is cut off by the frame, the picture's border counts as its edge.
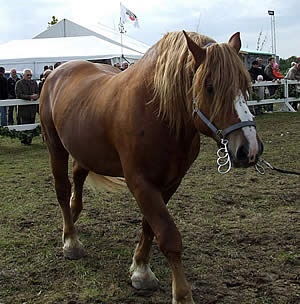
(168, 237)
(142, 276)
(72, 247)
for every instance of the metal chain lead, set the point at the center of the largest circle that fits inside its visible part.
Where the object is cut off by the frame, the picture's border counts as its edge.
(259, 166)
(223, 161)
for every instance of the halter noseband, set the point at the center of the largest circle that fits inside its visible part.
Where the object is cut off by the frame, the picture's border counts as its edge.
(222, 134)
(224, 159)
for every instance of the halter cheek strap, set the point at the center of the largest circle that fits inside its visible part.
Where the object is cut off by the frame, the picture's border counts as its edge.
(222, 134)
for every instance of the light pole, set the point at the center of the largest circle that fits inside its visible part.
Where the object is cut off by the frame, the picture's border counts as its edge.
(273, 35)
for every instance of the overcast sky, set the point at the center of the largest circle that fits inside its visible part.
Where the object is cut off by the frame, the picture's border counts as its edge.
(215, 18)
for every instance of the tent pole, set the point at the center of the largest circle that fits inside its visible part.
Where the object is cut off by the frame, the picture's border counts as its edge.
(122, 31)
(122, 45)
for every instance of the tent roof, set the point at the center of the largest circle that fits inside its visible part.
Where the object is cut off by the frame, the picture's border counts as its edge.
(64, 48)
(67, 28)
(250, 51)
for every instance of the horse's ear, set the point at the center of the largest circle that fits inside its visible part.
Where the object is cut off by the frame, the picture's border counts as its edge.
(235, 41)
(198, 52)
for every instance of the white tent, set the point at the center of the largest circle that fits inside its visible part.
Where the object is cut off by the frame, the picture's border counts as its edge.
(35, 53)
(67, 41)
(67, 28)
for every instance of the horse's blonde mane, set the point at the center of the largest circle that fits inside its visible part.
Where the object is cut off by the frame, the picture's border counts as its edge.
(174, 88)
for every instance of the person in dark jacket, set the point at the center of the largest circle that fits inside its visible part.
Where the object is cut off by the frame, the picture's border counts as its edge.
(3, 95)
(254, 71)
(261, 66)
(27, 89)
(12, 80)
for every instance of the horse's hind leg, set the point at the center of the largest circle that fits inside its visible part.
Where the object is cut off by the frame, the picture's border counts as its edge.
(142, 277)
(79, 176)
(72, 248)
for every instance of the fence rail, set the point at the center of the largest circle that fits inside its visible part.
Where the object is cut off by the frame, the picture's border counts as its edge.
(19, 102)
(286, 100)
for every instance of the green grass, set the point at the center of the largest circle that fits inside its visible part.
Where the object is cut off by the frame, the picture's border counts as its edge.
(240, 231)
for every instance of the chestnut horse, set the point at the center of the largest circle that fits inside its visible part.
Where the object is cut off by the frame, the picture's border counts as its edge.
(143, 124)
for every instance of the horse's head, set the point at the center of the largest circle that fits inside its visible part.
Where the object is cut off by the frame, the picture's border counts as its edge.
(220, 89)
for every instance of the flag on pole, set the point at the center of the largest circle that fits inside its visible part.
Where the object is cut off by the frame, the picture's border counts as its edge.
(127, 16)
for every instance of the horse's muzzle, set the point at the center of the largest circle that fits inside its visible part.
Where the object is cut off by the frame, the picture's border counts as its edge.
(246, 157)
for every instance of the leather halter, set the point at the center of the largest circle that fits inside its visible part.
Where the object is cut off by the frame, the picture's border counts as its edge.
(222, 134)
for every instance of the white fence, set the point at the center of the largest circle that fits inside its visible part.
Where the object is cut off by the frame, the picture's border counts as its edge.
(19, 102)
(285, 101)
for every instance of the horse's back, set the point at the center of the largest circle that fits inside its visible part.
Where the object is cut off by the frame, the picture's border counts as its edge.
(72, 79)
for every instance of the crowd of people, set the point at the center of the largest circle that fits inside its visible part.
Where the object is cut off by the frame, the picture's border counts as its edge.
(122, 66)
(25, 88)
(271, 72)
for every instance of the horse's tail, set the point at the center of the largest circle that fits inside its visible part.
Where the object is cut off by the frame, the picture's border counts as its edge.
(112, 184)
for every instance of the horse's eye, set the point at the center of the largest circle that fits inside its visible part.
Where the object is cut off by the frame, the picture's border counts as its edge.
(210, 89)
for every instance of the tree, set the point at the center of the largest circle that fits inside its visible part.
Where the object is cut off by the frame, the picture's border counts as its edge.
(285, 64)
(53, 21)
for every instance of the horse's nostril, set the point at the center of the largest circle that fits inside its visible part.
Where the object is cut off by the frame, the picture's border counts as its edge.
(242, 153)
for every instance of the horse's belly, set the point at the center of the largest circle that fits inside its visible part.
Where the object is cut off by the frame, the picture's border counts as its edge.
(95, 154)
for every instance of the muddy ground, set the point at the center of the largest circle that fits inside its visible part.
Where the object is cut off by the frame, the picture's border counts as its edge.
(241, 231)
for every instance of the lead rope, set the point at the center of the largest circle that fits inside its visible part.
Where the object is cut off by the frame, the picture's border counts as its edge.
(260, 168)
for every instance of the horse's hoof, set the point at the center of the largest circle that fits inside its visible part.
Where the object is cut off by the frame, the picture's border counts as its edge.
(74, 253)
(187, 300)
(142, 285)
(143, 277)
(183, 302)
(150, 283)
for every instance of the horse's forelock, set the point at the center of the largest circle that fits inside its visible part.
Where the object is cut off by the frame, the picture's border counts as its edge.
(226, 73)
